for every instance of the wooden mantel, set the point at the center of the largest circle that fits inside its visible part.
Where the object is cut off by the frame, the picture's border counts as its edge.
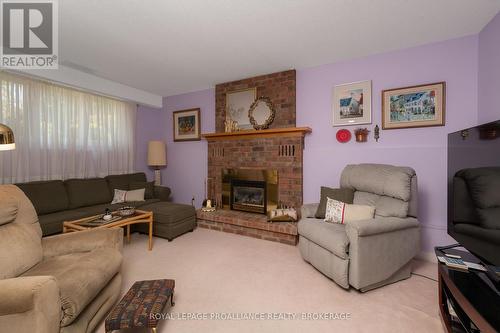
(254, 134)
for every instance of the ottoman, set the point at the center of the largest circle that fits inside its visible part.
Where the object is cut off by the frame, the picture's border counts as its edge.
(142, 305)
(170, 219)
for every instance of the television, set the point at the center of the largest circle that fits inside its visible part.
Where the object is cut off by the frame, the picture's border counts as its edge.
(474, 190)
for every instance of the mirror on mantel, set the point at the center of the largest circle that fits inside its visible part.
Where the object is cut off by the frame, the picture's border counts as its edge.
(261, 113)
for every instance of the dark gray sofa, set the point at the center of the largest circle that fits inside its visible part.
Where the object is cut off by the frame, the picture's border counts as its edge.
(56, 201)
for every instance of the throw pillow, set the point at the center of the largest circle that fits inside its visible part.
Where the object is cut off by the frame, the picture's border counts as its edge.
(128, 196)
(358, 212)
(340, 194)
(119, 196)
(334, 211)
(148, 186)
(340, 212)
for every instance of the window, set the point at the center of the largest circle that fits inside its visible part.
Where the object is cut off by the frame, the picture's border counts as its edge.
(62, 132)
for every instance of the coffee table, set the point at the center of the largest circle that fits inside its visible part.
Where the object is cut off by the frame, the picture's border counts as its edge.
(140, 216)
(141, 306)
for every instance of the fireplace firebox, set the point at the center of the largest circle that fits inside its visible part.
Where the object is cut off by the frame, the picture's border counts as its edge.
(248, 196)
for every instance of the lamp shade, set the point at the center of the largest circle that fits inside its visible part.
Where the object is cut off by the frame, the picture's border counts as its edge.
(157, 153)
(6, 138)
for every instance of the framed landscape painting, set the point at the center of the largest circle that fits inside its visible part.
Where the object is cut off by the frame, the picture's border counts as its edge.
(237, 105)
(416, 106)
(187, 125)
(352, 103)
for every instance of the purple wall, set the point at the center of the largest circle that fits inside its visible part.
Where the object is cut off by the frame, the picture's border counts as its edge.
(187, 161)
(150, 125)
(453, 61)
(489, 71)
(424, 149)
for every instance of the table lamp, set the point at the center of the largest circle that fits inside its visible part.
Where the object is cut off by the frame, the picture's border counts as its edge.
(157, 157)
(6, 138)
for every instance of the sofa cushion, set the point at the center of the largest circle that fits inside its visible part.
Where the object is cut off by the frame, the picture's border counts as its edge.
(384, 206)
(331, 236)
(80, 277)
(381, 179)
(47, 196)
(148, 186)
(141, 204)
(122, 182)
(87, 192)
(53, 223)
(168, 212)
(20, 240)
(345, 195)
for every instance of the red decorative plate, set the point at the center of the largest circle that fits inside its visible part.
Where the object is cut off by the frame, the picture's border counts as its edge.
(343, 135)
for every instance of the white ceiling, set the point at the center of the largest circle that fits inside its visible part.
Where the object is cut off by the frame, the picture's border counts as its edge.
(168, 47)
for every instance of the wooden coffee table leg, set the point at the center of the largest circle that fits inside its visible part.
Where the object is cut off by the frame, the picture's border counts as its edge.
(128, 233)
(150, 233)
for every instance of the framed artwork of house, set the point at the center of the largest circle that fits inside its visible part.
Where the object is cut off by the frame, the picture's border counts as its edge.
(415, 106)
(352, 103)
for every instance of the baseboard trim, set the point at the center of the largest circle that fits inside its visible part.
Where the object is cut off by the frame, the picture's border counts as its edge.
(427, 256)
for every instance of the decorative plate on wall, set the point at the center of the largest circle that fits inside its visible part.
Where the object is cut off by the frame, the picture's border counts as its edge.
(343, 135)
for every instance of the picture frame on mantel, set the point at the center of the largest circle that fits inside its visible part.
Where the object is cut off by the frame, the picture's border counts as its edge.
(415, 106)
(187, 125)
(352, 103)
(238, 104)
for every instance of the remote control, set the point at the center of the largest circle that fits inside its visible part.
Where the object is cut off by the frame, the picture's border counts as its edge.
(452, 256)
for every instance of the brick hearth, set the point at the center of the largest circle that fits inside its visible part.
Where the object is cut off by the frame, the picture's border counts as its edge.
(248, 224)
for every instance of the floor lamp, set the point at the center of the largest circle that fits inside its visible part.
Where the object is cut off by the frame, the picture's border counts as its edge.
(6, 138)
(157, 157)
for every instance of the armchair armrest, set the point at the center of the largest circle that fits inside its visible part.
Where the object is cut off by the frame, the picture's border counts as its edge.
(30, 302)
(309, 210)
(380, 247)
(162, 193)
(82, 241)
(380, 225)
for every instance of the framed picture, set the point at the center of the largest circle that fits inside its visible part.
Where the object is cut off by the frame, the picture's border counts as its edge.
(187, 125)
(237, 105)
(352, 103)
(416, 106)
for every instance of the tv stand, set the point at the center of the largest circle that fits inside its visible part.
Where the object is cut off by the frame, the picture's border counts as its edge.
(468, 301)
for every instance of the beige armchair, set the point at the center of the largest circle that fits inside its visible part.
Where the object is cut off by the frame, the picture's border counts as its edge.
(63, 283)
(370, 253)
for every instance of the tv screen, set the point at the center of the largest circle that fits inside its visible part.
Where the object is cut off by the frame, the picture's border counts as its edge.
(474, 190)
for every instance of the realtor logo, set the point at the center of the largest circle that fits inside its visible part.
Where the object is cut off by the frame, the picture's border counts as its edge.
(29, 36)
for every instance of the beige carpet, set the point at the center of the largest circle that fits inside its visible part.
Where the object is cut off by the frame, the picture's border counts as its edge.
(222, 273)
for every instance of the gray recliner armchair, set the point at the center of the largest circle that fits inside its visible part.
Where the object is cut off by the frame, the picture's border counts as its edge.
(370, 253)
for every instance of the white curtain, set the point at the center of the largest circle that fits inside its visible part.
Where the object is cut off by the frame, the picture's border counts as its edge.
(63, 133)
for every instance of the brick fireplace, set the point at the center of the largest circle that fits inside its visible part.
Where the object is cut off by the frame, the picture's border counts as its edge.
(270, 159)
(274, 157)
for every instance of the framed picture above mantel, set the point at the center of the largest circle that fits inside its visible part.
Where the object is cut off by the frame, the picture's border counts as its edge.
(187, 125)
(238, 104)
(416, 106)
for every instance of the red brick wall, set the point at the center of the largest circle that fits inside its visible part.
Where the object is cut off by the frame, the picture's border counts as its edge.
(281, 153)
(279, 87)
